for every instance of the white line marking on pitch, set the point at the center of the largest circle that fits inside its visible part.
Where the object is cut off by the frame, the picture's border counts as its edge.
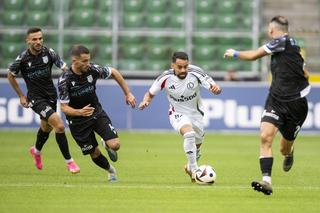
(156, 186)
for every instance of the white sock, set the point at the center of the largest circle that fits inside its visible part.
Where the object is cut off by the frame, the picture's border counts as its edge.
(69, 161)
(190, 149)
(266, 179)
(37, 152)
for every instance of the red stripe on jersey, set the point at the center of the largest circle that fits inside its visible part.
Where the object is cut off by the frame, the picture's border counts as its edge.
(163, 83)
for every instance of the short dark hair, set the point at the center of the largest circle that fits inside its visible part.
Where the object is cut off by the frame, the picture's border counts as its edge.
(33, 30)
(281, 21)
(78, 49)
(179, 55)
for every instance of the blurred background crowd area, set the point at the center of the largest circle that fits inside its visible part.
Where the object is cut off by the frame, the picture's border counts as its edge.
(139, 36)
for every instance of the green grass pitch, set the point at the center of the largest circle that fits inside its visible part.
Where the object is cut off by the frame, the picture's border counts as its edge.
(151, 177)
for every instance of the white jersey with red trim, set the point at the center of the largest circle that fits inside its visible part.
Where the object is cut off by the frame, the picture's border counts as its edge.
(183, 94)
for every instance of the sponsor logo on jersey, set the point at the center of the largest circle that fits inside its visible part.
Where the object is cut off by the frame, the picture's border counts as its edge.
(44, 112)
(89, 78)
(270, 114)
(86, 147)
(183, 99)
(45, 59)
(171, 87)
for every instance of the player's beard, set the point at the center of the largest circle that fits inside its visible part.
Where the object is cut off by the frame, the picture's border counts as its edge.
(182, 76)
(36, 48)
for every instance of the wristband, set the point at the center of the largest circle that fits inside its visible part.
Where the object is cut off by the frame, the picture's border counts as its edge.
(235, 54)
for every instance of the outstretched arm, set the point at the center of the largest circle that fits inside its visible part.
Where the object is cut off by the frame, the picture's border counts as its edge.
(249, 55)
(130, 99)
(15, 86)
(146, 100)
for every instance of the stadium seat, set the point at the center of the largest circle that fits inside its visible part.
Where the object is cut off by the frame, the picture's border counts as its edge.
(130, 39)
(82, 18)
(105, 52)
(157, 52)
(158, 6)
(228, 22)
(205, 21)
(104, 5)
(229, 41)
(204, 6)
(226, 7)
(204, 52)
(246, 7)
(12, 36)
(158, 40)
(132, 20)
(38, 5)
(5, 62)
(13, 4)
(245, 22)
(11, 49)
(133, 5)
(38, 18)
(157, 65)
(203, 39)
(104, 20)
(83, 4)
(178, 6)
(177, 20)
(12, 18)
(206, 65)
(80, 38)
(51, 40)
(178, 40)
(225, 65)
(130, 65)
(132, 51)
(156, 20)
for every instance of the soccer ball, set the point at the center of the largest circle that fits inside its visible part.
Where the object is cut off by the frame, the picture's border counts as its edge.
(205, 174)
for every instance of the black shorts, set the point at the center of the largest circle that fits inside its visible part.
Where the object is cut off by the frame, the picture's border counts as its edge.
(84, 132)
(44, 108)
(287, 116)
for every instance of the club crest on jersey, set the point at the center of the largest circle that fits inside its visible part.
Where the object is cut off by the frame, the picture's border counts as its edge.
(29, 63)
(73, 83)
(45, 59)
(89, 78)
(190, 85)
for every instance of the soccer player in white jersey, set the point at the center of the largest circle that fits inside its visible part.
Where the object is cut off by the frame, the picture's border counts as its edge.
(182, 84)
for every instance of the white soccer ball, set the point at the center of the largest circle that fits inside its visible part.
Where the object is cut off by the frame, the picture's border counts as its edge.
(205, 174)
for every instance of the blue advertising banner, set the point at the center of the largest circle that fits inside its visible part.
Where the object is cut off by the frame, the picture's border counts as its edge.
(237, 108)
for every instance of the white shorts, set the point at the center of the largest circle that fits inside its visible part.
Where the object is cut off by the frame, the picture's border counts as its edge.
(178, 120)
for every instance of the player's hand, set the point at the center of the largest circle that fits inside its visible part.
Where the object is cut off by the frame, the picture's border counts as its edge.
(130, 99)
(24, 102)
(215, 89)
(229, 53)
(87, 111)
(143, 105)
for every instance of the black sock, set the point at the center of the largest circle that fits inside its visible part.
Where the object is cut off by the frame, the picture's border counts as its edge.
(42, 137)
(266, 166)
(63, 145)
(102, 162)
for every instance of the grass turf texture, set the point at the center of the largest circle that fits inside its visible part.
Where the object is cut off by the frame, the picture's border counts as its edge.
(151, 177)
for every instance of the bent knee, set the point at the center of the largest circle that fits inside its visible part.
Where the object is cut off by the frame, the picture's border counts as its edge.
(59, 128)
(114, 144)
